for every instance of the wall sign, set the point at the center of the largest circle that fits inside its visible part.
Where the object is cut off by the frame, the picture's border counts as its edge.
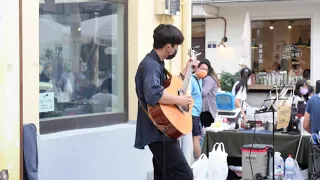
(212, 44)
(291, 52)
(46, 102)
(260, 53)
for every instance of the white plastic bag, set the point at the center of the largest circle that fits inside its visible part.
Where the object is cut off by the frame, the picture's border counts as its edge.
(218, 165)
(200, 168)
(297, 171)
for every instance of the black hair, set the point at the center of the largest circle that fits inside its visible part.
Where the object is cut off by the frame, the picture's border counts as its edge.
(295, 66)
(211, 71)
(245, 73)
(166, 33)
(299, 84)
(310, 90)
(107, 84)
(306, 74)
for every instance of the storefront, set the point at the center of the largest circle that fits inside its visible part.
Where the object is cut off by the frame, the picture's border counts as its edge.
(283, 33)
(77, 64)
(284, 37)
(82, 64)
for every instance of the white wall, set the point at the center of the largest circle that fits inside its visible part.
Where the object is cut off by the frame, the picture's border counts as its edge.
(227, 59)
(105, 153)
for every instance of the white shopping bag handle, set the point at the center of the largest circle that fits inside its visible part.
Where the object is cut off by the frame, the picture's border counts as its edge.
(214, 146)
(202, 155)
(221, 147)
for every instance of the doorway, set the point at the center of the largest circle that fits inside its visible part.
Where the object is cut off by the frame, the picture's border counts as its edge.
(199, 36)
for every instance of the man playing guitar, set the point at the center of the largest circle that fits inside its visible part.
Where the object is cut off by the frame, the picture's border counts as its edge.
(168, 159)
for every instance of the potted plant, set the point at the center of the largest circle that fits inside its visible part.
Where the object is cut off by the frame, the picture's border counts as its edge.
(227, 81)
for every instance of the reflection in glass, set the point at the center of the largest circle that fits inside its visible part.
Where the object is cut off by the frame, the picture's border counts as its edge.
(81, 58)
(280, 52)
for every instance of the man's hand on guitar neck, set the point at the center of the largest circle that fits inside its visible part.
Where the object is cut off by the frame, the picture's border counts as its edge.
(178, 100)
(194, 66)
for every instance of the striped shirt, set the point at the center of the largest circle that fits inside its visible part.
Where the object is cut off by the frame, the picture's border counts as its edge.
(149, 81)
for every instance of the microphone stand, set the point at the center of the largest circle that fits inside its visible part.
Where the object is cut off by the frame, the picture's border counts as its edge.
(267, 110)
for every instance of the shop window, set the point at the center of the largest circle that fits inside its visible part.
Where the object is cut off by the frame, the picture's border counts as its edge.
(281, 51)
(82, 63)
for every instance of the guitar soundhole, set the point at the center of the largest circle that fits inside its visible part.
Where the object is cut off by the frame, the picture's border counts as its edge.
(185, 108)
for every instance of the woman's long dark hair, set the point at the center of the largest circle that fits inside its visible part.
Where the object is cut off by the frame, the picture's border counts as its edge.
(245, 73)
(211, 71)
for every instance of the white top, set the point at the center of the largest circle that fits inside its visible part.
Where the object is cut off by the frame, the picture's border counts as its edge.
(297, 99)
(242, 94)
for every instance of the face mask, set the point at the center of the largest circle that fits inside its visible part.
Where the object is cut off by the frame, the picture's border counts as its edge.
(201, 74)
(173, 55)
(304, 91)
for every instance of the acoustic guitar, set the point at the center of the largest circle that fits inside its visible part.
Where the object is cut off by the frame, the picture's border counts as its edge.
(175, 120)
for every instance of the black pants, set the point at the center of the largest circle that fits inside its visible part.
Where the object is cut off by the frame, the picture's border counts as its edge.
(169, 161)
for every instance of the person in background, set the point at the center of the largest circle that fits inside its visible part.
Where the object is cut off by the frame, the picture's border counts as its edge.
(104, 100)
(296, 70)
(210, 86)
(311, 121)
(45, 76)
(306, 74)
(196, 88)
(301, 89)
(240, 89)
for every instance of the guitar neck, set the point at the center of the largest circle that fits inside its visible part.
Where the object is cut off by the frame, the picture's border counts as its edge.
(187, 78)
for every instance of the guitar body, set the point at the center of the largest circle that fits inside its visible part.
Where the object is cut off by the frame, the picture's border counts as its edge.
(177, 121)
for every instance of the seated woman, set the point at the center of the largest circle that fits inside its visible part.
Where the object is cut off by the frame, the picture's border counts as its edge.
(104, 100)
(300, 91)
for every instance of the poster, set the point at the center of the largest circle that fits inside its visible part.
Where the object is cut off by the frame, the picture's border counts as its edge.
(284, 115)
(46, 102)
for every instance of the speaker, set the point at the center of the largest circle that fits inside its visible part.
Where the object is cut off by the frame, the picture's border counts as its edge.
(317, 86)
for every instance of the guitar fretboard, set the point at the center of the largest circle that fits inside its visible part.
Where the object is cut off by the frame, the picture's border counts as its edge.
(187, 78)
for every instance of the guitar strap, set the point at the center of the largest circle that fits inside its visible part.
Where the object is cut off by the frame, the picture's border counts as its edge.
(162, 128)
(166, 72)
(198, 83)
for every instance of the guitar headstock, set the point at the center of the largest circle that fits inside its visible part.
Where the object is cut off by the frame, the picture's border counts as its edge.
(192, 53)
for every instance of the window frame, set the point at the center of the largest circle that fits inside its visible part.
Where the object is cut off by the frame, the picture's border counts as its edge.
(63, 123)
